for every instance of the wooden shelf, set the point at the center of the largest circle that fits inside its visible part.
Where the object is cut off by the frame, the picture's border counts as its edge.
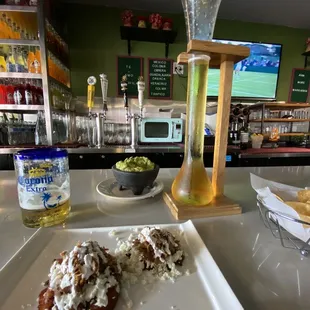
(290, 134)
(280, 106)
(148, 35)
(279, 120)
(287, 105)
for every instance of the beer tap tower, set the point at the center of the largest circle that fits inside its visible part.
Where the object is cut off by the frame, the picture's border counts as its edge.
(96, 135)
(124, 88)
(91, 81)
(141, 88)
(132, 117)
(104, 89)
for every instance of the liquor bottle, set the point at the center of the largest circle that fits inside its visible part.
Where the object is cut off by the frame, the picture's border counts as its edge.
(19, 60)
(28, 95)
(2, 63)
(236, 111)
(3, 94)
(40, 98)
(245, 111)
(236, 135)
(19, 94)
(24, 55)
(33, 2)
(3, 130)
(244, 136)
(34, 94)
(40, 132)
(30, 62)
(10, 94)
(10, 62)
(37, 61)
(231, 133)
(232, 118)
(240, 120)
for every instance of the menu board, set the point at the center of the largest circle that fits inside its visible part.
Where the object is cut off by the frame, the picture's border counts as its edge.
(133, 68)
(160, 78)
(300, 86)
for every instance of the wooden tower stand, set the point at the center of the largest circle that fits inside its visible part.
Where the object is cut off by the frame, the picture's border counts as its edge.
(223, 57)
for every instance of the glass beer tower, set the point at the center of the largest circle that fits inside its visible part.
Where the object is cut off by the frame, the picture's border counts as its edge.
(192, 185)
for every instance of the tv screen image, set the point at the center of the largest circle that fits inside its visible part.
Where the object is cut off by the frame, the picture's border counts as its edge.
(254, 77)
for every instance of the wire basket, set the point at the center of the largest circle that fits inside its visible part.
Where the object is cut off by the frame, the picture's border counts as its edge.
(275, 220)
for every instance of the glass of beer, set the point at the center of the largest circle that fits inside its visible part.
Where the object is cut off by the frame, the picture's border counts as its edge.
(43, 185)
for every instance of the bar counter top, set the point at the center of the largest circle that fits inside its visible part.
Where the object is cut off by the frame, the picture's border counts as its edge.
(275, 152)
(167, 148)
(262, 273)
(152, 148)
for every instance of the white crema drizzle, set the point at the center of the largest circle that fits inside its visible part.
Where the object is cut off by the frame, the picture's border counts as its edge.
(79, 265)
(156, 237)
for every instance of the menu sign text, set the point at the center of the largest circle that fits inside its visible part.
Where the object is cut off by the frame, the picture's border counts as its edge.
(132, 67)
(300, 86)
(160, 78)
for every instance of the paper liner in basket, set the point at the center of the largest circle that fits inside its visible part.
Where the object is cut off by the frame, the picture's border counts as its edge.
(266, 190)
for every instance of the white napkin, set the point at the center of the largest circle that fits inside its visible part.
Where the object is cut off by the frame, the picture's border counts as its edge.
(265, 190)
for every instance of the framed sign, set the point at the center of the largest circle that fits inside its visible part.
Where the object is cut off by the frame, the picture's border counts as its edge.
(160, 78)
(133, 68)
(300, 86)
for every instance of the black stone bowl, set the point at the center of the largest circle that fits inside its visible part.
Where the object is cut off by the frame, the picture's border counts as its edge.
(135, 181)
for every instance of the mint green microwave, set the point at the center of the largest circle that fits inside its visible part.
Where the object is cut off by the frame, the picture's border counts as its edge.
(161, 130)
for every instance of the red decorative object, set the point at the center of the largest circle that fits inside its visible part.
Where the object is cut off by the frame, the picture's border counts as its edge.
(167, 24)
(127, 18)
(142, 21)
(156, 20)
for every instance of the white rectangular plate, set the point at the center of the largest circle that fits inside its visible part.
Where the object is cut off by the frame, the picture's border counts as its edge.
(205, 287)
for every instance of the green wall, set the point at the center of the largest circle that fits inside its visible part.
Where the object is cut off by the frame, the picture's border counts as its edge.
(94, 41)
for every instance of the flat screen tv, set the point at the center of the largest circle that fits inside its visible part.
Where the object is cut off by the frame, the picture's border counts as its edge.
(255, 77)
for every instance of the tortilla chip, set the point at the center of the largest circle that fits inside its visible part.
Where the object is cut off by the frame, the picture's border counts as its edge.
(303, 209)
(278, 197)
(303, 195)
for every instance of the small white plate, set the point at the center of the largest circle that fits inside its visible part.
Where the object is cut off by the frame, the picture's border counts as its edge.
(109, 189)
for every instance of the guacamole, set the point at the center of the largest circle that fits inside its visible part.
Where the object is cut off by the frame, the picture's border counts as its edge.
(135, 164)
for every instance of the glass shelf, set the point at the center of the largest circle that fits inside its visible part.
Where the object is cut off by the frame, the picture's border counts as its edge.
(60, 84)
(20, 75)
(19, 42)
(21, 108)
(18, 8)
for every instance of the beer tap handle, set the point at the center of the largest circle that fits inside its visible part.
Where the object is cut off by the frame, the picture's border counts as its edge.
(104, 88)
(91, 81)
(124, 87)
(141, 88)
